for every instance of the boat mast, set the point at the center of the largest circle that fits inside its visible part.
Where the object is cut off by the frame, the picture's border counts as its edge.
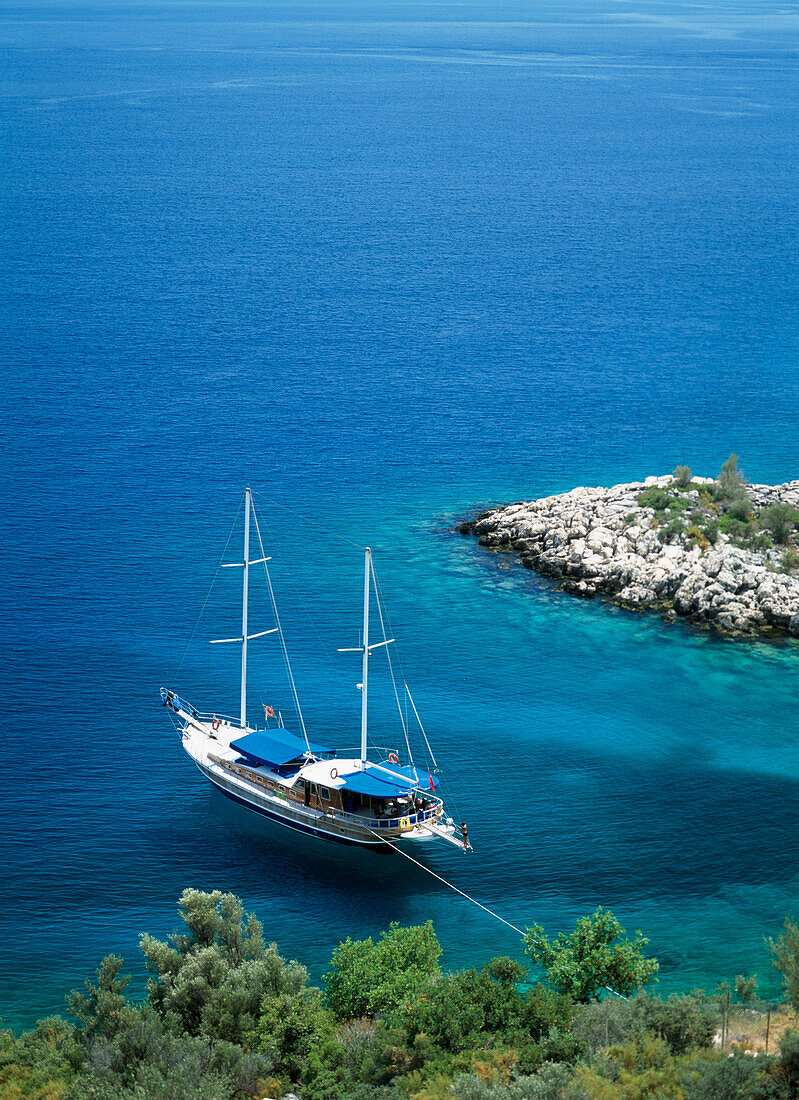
(366, 587)
(247, 505)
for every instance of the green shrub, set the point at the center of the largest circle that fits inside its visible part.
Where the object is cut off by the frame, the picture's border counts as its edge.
(366, 978)
(683, 1022)
(785, 952)
(683, 475)
(790, 560)
(214, 977)
(731, 482)
(745, 987)
(735, 529)
(735, 1078)
(780, 520)
(656, 498)
(671, 529)
(740, 508)
(595, 956)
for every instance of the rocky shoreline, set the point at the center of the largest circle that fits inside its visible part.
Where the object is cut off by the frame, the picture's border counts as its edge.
(629, 544)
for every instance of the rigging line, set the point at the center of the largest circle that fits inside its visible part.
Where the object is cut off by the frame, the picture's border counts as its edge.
(462, 893)
(310, 522)
(345, 685)
(280, 635)
(421, 727)
(379, 602)
(207, 596)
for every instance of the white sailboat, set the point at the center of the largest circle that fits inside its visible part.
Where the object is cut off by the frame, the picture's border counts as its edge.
(305, 785)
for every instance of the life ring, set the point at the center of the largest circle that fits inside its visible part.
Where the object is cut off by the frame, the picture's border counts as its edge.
(404, 823)
(215, 724)
(393, 758)
(334, 773)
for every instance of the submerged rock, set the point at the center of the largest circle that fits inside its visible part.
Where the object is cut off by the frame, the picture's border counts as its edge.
(603, 541)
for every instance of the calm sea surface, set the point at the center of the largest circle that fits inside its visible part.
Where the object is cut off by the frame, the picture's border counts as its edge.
(387, 262)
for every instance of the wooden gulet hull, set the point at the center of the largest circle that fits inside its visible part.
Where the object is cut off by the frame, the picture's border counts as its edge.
(293, 817)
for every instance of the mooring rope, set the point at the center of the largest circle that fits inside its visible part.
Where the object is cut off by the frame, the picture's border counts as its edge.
(474, 901)
(457, 890)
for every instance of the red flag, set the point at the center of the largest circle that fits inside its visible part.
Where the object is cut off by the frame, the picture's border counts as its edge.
(432, 784)
(268, 712)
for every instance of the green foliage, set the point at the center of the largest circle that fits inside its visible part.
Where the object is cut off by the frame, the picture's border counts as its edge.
(740, 508)
(785, 951)
(214, 977)
(682, 1022)
(146, 1060)
(789, 1062)
(553, 1081)
(597, 955)
(731, 482)
(656, 498)
(295, 1030)
(41, 1064)
(736, 1078)
(745, 987)
(672, 529)
(780, 520)
(790, 560)
(100, 1007)
(736, 529)
(683, 475)
(367, 978)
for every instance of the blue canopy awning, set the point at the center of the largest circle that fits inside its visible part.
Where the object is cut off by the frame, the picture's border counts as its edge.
(386, 781)
(275, 747)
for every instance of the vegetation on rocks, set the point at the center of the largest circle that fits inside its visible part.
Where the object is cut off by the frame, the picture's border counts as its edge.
(226, 1016)
(721, 552)
(699, 511)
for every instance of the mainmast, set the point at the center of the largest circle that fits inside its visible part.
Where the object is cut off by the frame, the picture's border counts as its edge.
(245, 637)
(247, 506)
(367, 569)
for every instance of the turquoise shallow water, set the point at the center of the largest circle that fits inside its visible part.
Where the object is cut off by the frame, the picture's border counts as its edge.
(388, 264)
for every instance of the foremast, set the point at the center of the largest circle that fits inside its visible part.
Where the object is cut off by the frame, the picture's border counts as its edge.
(245, 637)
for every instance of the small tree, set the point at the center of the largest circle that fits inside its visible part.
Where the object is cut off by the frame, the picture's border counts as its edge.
(595, 956)
(780, 520)
(99, 1009)
(785, 950)
(745, 987)
(214, 977)
(731, 481)
(366, 978)
(682, 475)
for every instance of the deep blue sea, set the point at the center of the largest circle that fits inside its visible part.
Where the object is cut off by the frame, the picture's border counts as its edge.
(387, 262)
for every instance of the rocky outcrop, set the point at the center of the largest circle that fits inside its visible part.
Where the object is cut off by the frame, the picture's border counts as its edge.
(602, 541)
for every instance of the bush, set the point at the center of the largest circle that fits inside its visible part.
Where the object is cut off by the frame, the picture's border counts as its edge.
(740, 508)
(215, 977)
(745, 987)
(780, 520)
(366, 978)
(731, 482)
(785, 951)
(656, 498)
(735, 529)
(671, 530)
(790, 560)
(683, 475)
(596, 956)
(789, 1062)
(735, 1078)
(683, 1023)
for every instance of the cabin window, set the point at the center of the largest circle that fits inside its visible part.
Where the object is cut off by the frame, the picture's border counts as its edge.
(300, 785)
(325, 793)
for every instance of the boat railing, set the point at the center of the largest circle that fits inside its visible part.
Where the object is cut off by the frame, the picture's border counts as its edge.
(173, 700)
(332, 812)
